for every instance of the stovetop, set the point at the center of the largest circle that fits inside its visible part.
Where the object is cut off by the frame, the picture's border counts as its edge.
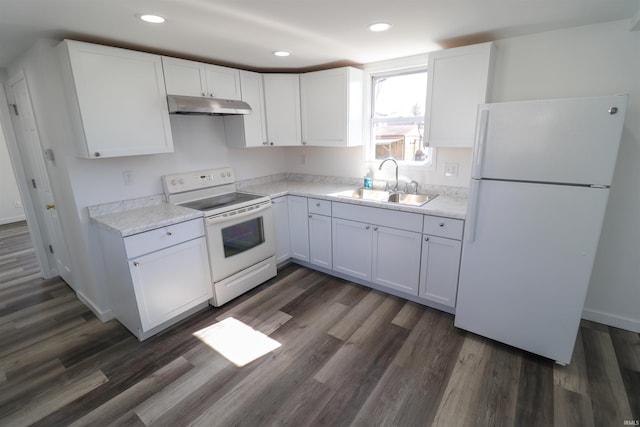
(217, 203)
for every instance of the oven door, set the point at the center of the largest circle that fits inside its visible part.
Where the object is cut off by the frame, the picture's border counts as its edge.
(239, 241)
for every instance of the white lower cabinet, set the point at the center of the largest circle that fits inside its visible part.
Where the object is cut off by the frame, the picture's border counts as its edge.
(299, 228)
(320, 240)
(439, 269)
(352, 243)
(170, 281)
(281, 228)
(157, 277)
(396, 259)
(440, 265)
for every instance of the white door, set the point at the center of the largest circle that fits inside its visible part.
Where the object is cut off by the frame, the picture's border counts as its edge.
(281, 228)
(26, 130)
(171, 281)
(299, 227)
(571, 140)
(526, 262)
(320, 240)
(352, 242)
(282, 108)
(439, 269)
(222, 82)
(396, 259)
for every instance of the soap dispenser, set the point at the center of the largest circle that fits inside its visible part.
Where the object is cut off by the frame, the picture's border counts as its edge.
(368, 179)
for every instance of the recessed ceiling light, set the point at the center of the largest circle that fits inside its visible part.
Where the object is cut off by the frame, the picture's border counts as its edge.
(281, 53)
(153, 19)
(379, 26)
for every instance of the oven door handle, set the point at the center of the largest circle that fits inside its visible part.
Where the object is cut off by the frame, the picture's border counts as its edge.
(219, 219)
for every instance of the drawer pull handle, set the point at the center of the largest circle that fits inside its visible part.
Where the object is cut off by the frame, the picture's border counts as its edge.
(318, 204)
(136, 263)
(169, 233)
(441, 224)
(426, 239)
(367, 227)
(310, 216)
(375, 228)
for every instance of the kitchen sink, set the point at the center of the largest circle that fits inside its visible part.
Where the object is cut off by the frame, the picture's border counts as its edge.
(387, 196)
(410, 199)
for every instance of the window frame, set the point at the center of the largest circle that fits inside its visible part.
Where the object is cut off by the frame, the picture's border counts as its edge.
(397, 66)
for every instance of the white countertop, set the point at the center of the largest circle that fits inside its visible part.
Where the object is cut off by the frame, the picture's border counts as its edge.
(140, 219)
(445, 206)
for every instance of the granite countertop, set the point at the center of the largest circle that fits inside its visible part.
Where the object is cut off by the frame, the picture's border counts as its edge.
(443, 205)
(139, 215)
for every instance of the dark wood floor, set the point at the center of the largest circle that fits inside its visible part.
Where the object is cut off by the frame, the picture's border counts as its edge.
(348, 356)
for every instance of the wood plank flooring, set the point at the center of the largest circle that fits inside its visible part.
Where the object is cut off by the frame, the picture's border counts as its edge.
(349, 356)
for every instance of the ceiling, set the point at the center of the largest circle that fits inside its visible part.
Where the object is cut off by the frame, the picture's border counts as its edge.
(318, 33)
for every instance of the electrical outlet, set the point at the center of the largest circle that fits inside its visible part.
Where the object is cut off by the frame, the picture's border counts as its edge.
(127, 176)
(451, 169)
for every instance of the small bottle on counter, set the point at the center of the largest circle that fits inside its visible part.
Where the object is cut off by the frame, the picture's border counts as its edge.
(368, 179)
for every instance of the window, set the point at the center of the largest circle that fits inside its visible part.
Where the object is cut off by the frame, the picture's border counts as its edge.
(397, 117)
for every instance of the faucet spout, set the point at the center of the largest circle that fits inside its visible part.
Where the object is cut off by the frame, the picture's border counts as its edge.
(396, 163)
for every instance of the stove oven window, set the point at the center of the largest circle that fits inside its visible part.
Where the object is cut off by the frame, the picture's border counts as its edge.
(242, 237)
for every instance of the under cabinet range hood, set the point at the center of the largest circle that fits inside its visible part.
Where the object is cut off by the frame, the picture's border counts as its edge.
(194, 105)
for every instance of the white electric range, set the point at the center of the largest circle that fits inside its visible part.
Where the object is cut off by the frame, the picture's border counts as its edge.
(238, 228)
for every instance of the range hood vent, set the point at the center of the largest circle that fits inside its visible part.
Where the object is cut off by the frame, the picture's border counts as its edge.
(194, 105)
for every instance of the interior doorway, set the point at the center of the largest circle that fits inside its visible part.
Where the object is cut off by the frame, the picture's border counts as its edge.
(33, 181)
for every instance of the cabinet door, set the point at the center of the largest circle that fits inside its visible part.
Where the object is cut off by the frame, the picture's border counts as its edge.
(440, 267)
(282, 108)
(222, 82)
(281, 226)
(320, 240)
(458, 80)
(396, 259)
(352, 248)
(331, 107)
(183, 77)
(299, 227)
(170, 281)
(120, 99)
(248, 130)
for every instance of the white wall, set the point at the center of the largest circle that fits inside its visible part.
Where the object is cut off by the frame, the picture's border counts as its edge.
(592, 60)
(9, 195)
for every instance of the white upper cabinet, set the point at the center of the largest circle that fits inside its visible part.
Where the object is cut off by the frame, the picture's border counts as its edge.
(248, 130)
(192, 78)
(458, 80)
(117, 100)
(331, 107)
(282, 109)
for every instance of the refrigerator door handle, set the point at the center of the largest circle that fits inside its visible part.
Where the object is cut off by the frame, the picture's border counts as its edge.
(481, 139)
(470, 226)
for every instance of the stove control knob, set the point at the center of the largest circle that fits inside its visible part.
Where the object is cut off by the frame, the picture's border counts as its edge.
(181, 181)
(173, 182)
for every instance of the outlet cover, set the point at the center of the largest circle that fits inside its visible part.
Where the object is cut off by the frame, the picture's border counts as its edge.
(451, 169)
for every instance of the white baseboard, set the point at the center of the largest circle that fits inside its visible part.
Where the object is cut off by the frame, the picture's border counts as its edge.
(102, 315)
(11, 219)
(609, 319)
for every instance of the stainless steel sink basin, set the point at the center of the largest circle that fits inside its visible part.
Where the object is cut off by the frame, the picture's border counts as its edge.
(410, 199)
(387, 196)
(365, 194)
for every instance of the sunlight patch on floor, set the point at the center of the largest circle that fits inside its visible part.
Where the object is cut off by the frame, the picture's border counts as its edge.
(237, 341)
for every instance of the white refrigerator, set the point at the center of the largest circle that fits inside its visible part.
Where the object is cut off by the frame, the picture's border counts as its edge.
(540, 182)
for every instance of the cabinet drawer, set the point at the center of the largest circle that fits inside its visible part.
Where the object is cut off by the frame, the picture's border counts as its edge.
(160, 238)
(378, 216)
(443, 227)
(319, 206)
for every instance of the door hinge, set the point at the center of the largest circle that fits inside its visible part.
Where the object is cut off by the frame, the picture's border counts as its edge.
(33, 183)
(15, 108)
(50, 248)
